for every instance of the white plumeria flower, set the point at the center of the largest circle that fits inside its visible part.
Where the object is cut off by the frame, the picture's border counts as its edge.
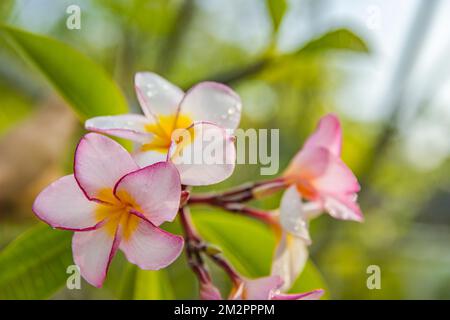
(207, 112)
(291, 252)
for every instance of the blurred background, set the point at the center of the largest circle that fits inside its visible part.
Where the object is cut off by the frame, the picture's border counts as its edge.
(382, 66)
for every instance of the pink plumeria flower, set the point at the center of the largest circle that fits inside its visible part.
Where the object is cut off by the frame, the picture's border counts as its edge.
(206, 110)
(112, 204)
(319, 175)
(268, 288)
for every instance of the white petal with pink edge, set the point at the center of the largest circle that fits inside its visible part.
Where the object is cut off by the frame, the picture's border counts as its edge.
(63, 205)
(210, 158)
(93, 252)
(311, 295)
(150, 247)
(213, 102)
(156, 95)
(343, 207)
(146, 158)
(156, 189)
(293, 217)
(290, 258)
(128, 126)
(328, 135)
(99, 163)
(261, 288)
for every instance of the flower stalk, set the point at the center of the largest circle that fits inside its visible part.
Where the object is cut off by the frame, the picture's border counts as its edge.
(243, 193)
(196, 246)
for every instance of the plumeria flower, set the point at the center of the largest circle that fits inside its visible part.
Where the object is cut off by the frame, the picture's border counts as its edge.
(268, 288)
(204, 112)
(112, 204)
(317, 174)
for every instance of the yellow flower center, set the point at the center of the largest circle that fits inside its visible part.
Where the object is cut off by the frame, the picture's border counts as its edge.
(163, 130)
(116, 212)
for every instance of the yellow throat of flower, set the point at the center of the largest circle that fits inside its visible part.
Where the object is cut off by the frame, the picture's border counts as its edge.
(117, 213)
(163, 129)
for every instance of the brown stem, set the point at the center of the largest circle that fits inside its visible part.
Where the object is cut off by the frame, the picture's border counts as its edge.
(195, 246)
(259, 214)
(242, 193)
(193, 243)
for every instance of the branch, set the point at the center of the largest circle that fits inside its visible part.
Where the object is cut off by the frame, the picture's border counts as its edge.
(243, 193)
(195, 246)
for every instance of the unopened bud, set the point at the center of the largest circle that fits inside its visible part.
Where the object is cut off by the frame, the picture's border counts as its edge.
(212, 250)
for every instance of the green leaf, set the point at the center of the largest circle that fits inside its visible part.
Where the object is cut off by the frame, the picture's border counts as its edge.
(310, 279)
(340, 39)
(277, 9)
(84, 84)
(248, 244)
(34, 265)
(152, 285)
(146, 284)
(6, 7)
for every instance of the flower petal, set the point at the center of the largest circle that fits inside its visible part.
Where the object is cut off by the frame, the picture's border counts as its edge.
(208, 159)
(209, 292)
(311, 295)
(343, 207)
(213, 102)
(328, 135)
(293, 217)
(63, 205)
(93, 252)
(99, 163)
(129, 126)
(157, 95)
(155, 189)
(337, 178)
(308, 164)
(261, 288)
(150, 247)
(319, 171)
(290, 258)
(146, 158)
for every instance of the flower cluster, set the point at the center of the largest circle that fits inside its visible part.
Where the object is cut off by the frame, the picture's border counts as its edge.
(117, 200)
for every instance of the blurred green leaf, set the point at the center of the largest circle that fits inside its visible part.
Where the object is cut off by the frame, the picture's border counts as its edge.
(277, 9)
(310, 279)
(84, 84)
(340, 39)
(34, 265)
(249, 246)
(14, 108)
(152, 285)
(6, 7)
(146, 285)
